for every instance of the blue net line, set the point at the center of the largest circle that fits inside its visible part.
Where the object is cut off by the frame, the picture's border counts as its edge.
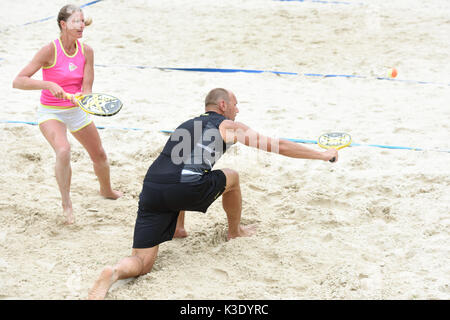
(51, 17)
(48, 18)
(319, 75)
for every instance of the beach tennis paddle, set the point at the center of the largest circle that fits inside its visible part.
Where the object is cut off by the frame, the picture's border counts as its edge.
(335, 140)
(98, 104)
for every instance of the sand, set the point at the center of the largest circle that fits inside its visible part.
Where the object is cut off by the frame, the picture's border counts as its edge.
(375, 225)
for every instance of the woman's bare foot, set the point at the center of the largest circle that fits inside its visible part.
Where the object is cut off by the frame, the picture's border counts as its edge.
(103, 284)
(68, 213)
(243, 231)
(111, 194)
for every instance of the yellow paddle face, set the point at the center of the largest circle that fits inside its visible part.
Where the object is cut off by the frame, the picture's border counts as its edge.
(99, 104)
(335, 140)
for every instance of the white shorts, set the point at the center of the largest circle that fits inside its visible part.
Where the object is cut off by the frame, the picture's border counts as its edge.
(74, 118)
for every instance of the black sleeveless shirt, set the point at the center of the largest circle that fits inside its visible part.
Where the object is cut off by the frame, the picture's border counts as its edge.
(191, 151)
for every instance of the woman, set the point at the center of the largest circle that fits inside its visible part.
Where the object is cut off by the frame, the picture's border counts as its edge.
(67, 67)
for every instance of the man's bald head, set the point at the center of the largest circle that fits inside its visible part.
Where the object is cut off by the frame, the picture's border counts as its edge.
(216, 95)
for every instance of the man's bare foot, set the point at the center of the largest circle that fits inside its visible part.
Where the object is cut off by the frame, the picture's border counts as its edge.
(180, 233)
(112, 194)
(243, 231)
(103, 284)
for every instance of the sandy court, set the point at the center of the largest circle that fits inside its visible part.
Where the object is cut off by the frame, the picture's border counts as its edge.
(375, 225)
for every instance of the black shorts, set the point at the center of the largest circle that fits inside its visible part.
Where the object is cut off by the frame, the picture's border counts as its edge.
(160, 204)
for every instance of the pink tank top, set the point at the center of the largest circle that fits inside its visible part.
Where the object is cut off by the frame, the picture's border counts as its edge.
(67, 71)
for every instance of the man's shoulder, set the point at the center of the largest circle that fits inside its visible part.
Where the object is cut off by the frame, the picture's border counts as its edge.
(227, 124)
(230, 124)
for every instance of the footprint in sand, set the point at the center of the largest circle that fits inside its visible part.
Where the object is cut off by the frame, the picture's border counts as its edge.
(256, 188)
(328, 203)
(31, 156)
(219, 273)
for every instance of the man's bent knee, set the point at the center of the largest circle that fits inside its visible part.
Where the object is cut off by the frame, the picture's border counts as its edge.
(147, 258)
(232, 177)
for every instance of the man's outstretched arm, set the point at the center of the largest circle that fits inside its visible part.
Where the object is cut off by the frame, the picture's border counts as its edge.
(233, 132)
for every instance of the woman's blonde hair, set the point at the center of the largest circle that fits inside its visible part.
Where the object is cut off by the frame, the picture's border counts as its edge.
(67, 11)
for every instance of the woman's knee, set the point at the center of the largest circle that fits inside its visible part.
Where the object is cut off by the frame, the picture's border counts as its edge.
(99, 156)
(63, 153)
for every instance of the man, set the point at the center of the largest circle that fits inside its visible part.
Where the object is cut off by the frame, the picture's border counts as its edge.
(181, 178)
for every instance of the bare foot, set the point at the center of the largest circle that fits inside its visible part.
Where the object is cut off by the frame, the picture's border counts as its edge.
(102, 285)
(112, 194)
(180, 233)
(243, 231)
(70, 218)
